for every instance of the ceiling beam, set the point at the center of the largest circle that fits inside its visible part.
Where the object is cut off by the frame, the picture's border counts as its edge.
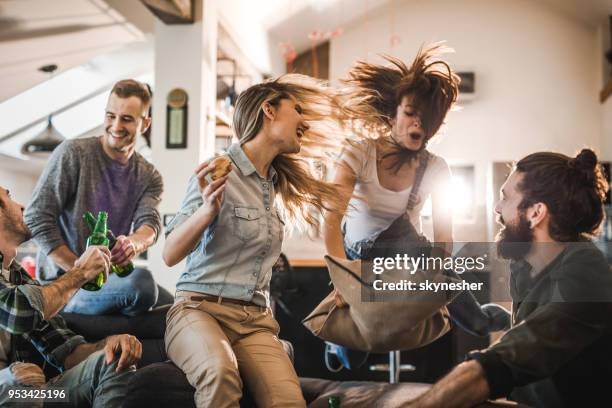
(172, 11)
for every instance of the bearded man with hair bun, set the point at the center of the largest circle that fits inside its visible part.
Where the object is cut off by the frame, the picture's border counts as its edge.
(558, 352)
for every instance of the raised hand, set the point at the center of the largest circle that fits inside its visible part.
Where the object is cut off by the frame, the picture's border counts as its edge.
(211, 191)
(95, 259)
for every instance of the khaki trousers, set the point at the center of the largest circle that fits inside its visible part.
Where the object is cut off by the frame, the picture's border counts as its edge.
(216, 344)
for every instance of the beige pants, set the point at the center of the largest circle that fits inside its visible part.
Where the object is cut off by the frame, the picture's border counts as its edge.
(217, 343)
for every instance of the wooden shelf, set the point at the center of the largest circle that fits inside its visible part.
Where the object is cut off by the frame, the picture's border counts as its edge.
(307, 263)
(223, 131)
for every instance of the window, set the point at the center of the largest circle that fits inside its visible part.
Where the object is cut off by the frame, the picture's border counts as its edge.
(461, 199)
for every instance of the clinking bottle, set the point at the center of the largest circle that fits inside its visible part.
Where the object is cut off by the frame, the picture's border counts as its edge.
(97, 237)
(121, 271)
(333, 401)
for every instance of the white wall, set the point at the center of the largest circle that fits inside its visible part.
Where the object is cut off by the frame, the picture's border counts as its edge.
(17, 177)
(606, 107)
(20, 184)
(244, 22)
(536, 77)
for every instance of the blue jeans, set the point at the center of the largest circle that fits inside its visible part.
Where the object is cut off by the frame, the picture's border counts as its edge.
(356, 250)
(131, 295)
(91, 383)
(94, 383)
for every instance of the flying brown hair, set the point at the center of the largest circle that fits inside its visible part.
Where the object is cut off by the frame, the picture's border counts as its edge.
(373, 92)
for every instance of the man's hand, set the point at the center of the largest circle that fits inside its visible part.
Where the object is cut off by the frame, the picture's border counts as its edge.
(94, 260)
(129, 347)
(124, 251)
(55, 295)
(211, 192)
(28, 374)
(464, 387)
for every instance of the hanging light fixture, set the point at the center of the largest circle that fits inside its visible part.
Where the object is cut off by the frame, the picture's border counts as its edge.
(47, 140)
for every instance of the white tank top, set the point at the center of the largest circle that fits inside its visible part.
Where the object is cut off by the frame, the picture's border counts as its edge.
(377, 207)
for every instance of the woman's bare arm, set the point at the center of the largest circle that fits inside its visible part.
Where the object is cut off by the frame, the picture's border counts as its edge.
(332, 233)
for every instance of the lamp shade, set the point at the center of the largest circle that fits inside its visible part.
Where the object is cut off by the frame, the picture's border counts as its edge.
(45, 142)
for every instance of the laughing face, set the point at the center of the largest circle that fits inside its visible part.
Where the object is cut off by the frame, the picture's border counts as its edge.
(288, 126)
(11, 218)
(124, 121)
(407, 128)
(514, 240)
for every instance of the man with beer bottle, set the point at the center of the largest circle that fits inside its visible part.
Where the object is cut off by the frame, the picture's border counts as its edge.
(102, 173)
(35, 342)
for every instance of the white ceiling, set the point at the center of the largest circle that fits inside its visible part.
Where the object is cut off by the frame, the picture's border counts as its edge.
(72, 32)
(65, 32)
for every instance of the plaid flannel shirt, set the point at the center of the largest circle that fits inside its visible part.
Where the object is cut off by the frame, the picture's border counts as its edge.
(21, 314)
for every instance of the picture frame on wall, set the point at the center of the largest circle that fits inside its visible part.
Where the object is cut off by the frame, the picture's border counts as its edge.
(176, 119)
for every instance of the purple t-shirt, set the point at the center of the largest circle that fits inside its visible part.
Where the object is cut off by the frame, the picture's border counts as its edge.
(80, 177)
(112, 194)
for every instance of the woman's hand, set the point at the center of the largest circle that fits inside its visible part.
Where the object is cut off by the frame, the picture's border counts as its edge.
(211, 192)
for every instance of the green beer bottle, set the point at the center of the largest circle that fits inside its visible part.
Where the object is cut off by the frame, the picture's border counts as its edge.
(97, 237)
(90, 221)
(333, 402)
(121, 271)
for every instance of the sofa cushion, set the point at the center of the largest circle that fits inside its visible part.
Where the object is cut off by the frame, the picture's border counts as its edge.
(149, 325)
(162, 385)
(149, 328)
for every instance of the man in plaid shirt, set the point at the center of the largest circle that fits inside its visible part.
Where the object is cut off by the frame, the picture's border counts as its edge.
(32, 335)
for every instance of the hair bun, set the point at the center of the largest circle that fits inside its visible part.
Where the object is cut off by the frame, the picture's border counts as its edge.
(585, 160)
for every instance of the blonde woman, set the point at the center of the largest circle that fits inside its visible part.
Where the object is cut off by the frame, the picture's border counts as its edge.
(220, 327)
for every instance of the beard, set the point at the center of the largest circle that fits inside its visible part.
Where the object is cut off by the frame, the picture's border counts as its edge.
(18, 231)
(514, 240)
(26, 233)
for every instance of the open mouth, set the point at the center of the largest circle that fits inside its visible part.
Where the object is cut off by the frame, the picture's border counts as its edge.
(114, 135)
(415, 136)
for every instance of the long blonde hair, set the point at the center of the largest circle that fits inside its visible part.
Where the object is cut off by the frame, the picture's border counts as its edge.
(298, 190)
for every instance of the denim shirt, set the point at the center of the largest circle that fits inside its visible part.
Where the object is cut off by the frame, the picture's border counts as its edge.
(235, 254)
